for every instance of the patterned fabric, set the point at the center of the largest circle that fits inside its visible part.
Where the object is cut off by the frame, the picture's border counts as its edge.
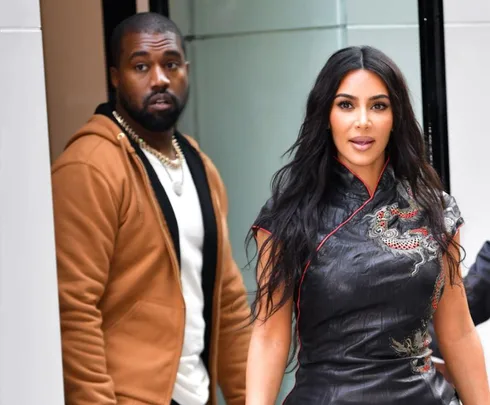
(364, 304)
(415, 242)
(417, 345)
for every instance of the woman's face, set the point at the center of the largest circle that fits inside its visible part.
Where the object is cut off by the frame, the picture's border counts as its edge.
(361, 121)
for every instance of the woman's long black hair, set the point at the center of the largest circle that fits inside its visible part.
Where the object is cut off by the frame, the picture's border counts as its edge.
(300, 189)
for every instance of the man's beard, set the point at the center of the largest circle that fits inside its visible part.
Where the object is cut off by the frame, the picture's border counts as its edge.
(155, 122)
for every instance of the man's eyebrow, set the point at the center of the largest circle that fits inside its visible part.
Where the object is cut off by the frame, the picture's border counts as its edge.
(172, 52)
(138, 53)
(169, 52)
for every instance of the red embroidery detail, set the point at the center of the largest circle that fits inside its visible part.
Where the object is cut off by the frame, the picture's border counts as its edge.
(436, 295)
(417, 243)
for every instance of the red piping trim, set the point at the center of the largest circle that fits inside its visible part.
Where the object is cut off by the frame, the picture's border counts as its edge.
(320, 246)
(361, 180)
(258, 228)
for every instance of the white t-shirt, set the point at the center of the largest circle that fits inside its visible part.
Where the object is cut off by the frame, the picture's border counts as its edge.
(192, 383)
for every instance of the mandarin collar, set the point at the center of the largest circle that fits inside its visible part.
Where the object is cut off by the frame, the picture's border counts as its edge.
(348, 183)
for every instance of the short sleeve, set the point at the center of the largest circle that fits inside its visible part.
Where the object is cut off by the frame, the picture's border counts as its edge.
(264, 219)
(452, 215)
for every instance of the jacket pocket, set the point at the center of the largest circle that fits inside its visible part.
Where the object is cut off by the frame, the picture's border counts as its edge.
(142, 350)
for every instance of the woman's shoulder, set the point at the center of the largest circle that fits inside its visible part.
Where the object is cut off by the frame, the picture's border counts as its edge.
(264, 218)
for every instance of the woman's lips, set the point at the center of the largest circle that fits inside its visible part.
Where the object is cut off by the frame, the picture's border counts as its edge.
(362, 143)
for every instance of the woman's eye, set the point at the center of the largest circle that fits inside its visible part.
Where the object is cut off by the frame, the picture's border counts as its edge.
(345, 105)
(380, 106)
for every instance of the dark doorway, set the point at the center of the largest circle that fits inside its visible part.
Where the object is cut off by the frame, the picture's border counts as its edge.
(433, 69)
(113, 12)
(159, 6)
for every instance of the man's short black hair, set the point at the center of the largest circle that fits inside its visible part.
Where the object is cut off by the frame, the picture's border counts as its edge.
(148, 22)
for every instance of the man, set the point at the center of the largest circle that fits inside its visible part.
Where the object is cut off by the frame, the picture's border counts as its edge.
(153, 308)
(477, 286)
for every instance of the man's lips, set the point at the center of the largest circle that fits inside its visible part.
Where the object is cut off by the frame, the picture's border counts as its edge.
(161, 98)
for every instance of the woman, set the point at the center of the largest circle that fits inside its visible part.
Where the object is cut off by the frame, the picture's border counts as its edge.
(358, 240)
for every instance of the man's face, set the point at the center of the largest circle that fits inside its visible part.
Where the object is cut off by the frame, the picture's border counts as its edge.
(152, 79)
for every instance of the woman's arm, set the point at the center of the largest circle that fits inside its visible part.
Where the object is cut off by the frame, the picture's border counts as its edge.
(269, 347)
(459, 342)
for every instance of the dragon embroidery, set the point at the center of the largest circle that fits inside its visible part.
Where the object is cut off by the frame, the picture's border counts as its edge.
(417, 243)
(416, 346)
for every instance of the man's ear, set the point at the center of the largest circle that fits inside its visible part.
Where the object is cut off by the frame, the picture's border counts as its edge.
(114, 77)
(187, 66)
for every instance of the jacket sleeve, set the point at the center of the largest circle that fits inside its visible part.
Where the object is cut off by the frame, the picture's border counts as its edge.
(86, 223)
(235, 329)
(477, 284)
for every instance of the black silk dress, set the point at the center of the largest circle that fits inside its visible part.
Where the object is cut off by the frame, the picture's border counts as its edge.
(363, 306)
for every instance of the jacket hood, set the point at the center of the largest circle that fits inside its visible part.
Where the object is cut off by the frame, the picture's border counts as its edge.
(102, 124)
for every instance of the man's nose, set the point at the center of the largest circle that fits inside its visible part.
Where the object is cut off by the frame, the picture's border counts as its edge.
(159, 78)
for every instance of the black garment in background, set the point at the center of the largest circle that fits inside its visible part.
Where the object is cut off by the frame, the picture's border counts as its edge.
(477, 283)
(210, 245)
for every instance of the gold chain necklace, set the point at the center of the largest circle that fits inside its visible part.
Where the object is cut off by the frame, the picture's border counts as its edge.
(166, 161)
(177, 186)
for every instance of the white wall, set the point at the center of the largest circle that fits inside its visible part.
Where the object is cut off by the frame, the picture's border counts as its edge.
(467, 36)
(30, 351)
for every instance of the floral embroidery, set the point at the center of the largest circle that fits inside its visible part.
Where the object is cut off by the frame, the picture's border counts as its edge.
(417, 243)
